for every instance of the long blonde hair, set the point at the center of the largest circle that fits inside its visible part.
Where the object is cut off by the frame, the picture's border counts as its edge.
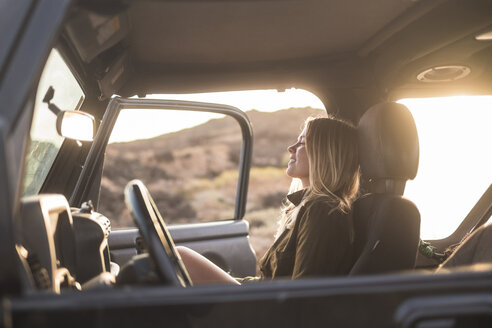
(332, 151)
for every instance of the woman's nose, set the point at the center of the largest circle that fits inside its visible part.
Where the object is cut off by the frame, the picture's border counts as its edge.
(292, 148)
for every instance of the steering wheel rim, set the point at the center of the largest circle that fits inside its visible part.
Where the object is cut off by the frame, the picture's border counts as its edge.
(169, 266)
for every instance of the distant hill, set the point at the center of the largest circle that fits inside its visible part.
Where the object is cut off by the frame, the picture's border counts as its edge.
(273, 132)
(175, 165)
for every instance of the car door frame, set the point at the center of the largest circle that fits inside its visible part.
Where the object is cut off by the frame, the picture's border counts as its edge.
(226, 243)
(25, 46)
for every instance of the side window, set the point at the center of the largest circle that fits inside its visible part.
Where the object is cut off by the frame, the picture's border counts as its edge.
(188, 160)
(455, 160)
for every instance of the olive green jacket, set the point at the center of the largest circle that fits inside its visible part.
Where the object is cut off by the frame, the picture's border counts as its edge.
(318, 244)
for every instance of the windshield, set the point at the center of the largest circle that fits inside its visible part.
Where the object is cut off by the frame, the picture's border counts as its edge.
(44, 139)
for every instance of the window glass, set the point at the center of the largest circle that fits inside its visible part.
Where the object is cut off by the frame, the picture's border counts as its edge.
(455, 160)
(44, 139)
(188, 161)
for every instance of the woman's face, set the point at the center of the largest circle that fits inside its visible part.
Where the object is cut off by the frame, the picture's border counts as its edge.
(298, 166)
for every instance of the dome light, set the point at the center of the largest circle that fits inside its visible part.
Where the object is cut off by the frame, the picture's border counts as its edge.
(447, 73)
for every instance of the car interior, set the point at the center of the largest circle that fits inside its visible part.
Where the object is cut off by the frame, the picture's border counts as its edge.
(358, 57)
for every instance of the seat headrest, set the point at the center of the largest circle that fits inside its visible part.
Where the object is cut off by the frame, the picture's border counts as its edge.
(388, 143)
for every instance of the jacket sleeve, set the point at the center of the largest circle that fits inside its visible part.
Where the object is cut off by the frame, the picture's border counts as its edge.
(323, 242)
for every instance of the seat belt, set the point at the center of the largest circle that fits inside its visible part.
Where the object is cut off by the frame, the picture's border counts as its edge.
(483, 208)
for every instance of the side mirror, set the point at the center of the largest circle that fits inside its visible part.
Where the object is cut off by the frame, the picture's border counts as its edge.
(71, 124)
(75, 125)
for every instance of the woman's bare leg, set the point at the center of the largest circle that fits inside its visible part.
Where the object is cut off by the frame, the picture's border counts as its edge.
(202, 270)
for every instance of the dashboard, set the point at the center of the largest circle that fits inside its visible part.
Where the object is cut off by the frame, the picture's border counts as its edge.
(62, 247)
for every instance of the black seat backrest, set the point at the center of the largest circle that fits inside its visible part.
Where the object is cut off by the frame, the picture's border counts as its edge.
(387, 225)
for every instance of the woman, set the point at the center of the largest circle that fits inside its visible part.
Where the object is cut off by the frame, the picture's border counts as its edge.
(316, 234)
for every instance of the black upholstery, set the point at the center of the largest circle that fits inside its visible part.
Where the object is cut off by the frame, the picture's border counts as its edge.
(389, 144)
(387, 225)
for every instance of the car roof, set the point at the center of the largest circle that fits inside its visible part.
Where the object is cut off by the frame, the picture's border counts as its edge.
(351, 53)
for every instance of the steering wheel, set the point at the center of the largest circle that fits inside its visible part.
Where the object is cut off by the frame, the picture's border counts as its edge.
(168, 263)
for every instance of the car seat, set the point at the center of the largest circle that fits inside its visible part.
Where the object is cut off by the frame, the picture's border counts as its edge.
(386, 225)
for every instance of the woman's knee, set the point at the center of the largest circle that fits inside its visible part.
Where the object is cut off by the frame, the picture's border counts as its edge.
(185, 253)
(182, 249)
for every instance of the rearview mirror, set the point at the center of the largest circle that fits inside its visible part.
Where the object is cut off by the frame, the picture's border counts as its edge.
(75, 125)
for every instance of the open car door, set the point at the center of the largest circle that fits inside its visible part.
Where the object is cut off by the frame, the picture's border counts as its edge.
(223, 240)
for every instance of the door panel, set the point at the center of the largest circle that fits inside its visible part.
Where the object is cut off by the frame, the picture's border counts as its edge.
(225, 243)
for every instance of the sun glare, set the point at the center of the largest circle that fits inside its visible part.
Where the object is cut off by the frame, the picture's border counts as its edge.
(78, 127)
(455, 159)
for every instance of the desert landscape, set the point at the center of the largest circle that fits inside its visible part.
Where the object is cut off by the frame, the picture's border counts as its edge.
(192, 174)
